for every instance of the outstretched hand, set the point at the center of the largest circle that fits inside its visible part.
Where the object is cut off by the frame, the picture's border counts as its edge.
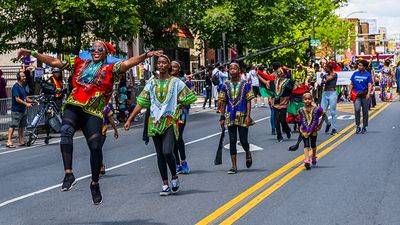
(23, 52)
(155, 53)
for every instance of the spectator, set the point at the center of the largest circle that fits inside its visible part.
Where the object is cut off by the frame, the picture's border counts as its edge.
(208, 87)
(18, 110)
(56, 79)
(3, 94)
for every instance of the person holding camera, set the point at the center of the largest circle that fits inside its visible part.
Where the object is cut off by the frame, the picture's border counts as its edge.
(18, 110)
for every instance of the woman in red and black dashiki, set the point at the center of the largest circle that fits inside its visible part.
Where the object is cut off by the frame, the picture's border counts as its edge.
(235, 97)
(92, 83)
(281, 86)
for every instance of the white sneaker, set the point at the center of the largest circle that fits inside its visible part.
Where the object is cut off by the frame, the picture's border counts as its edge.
(165, 190)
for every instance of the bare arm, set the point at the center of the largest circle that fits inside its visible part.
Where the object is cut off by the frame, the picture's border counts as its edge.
(133, 61)
(49, 60)
(132, 116)
(20, 101)
(248, 106)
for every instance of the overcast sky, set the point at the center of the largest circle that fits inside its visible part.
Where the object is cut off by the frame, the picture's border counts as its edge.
(387, 12)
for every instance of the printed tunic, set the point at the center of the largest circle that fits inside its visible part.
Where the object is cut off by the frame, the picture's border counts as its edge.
(164, 98)
(92, 85)
(236, 97)
(309, 121)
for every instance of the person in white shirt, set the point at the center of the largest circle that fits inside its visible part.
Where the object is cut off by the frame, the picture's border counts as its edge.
(252, 78)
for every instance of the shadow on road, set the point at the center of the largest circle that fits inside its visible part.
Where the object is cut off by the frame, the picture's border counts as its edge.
(131, 222)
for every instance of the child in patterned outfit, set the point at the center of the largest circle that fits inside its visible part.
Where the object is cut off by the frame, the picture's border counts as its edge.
(235, 98)
(311, 119)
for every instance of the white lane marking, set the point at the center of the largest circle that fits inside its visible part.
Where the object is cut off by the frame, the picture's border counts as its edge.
(240, 149)
(109, 169)
(78, 137)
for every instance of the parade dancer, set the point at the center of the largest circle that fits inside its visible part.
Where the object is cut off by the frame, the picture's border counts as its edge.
(235, 99)
(179, 147)
(386, 78)
(281, 86)
(92, 83)
(310, 124)
(164, 96)
(361, 86)
(107, 119)
(300, 79)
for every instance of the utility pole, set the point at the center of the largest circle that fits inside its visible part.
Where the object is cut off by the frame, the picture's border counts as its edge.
(312, 30)
(223, 46)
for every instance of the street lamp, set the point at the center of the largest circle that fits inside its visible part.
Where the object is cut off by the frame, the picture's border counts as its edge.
(354, 13)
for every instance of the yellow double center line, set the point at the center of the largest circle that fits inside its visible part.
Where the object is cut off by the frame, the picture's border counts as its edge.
(260, 197)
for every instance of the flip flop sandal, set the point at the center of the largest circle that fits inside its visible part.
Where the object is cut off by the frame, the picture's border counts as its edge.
(11, 146)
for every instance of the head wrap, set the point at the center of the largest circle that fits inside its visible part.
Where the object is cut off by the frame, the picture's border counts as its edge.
(166, 57)
(234, 64)
(177, 63)
(108, 46)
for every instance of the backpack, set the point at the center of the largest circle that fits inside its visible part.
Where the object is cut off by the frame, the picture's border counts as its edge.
(215, 78)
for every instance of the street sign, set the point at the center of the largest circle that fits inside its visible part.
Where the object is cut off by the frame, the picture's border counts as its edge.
(315, 42)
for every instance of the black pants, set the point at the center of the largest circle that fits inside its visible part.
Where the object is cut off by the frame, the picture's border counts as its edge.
(73, 119)
(243, 133)
(208, 97)
(179, 147)
(280, 120)
(164, 146)
(310, 141)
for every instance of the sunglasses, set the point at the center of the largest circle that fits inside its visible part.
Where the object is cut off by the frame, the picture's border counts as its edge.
(100, 49)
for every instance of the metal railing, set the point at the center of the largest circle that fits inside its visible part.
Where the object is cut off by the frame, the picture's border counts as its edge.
(5, 113)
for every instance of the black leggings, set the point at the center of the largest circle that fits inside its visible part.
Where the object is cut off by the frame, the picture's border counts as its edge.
(243, 133)
(164, 146)
(179, 147)
(73, 119)
(310, 141)
(280, 120)
(208, 97)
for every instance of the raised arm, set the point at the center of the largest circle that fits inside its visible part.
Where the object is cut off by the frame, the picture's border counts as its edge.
(133, 61)
(49, 60)
(264, 75)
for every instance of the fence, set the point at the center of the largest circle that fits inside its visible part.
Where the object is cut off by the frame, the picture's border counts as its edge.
(199, 86)
(5, 113)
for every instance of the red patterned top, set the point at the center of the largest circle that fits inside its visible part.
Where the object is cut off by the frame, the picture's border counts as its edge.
(93, 85)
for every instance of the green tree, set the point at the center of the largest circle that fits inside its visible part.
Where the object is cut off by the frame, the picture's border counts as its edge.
(65, 25)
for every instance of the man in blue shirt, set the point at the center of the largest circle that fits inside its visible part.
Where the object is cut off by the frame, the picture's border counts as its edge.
(18, 110)
(361, 84)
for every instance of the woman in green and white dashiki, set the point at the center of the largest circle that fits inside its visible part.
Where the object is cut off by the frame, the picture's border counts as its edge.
(164, 96)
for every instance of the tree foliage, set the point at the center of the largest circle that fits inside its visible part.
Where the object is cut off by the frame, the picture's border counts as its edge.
(65, 25)
(251, 25)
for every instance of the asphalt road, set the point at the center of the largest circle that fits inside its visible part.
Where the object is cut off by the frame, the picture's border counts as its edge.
(355, 182)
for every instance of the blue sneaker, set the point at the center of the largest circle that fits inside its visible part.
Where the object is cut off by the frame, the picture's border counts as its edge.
(185, 167)
(178, 169)
(364, 130)
(358, 130)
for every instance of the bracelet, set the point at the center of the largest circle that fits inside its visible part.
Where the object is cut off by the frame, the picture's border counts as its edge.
(146, 54)
(33, 52)
(222, 118)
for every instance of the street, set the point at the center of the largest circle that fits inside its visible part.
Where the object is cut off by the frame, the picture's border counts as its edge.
(354, 182)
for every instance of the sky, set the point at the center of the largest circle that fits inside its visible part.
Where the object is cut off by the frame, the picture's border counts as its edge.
(387, 12)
